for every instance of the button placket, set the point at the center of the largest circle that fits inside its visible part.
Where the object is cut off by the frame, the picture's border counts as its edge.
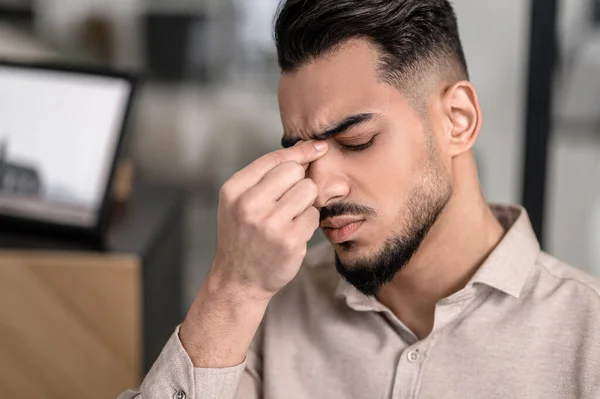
(413, 356)
(407, 372)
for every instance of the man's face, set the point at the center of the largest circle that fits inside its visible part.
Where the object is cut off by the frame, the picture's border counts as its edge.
(382, 184)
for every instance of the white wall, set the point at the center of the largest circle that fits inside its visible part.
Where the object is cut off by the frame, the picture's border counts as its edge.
(573, 214)
(57, 20)
(573, 24)
(495, 37)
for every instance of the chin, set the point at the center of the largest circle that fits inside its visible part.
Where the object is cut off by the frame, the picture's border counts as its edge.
(352, 250)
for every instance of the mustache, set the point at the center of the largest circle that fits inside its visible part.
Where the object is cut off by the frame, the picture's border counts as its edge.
(341, 209)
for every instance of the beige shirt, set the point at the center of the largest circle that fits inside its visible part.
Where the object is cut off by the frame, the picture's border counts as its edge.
(525, 326)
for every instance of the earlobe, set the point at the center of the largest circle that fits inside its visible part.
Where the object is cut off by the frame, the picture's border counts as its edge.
(464, 115)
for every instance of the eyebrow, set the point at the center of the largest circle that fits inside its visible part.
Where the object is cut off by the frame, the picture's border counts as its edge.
(339, 128)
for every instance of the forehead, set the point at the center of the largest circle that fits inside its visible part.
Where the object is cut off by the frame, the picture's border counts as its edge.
(334, 86)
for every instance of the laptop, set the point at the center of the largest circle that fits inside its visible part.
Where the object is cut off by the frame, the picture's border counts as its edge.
(62, 130)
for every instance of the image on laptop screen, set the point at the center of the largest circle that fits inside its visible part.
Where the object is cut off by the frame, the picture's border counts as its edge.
(58, 135)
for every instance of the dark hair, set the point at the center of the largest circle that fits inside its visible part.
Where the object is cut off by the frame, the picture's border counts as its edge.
(411, 35)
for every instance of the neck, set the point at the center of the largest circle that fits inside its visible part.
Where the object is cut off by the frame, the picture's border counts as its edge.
(457, 244)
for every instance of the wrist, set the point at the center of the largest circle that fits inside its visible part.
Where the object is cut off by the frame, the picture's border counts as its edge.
(217, 285)
(221, 324)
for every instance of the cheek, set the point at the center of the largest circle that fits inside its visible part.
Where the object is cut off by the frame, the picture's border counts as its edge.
(384, 176)
(395, 165)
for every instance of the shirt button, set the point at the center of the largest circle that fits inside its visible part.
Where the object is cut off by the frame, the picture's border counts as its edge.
(179, 395)
(414, 356)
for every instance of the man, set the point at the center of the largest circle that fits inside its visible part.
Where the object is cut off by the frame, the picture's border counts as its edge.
(423, 290)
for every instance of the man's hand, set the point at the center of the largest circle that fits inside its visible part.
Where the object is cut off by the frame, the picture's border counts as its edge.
(266, 218)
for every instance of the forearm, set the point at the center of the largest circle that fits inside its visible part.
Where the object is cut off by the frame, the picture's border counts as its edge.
(220, 325)
(173, 373)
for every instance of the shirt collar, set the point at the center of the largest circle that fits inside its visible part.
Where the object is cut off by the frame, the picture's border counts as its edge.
(357, 300)
(510, 263)
(505, 269)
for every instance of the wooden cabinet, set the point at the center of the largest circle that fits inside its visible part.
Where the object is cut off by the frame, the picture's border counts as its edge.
(69, 325)
(75, 323)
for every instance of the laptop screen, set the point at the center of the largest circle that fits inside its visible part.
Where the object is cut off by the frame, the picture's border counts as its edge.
(59, 132)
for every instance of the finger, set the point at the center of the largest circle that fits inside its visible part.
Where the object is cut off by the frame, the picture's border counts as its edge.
(305, 225)
(304, 153)
(296, 200)
(277, 182)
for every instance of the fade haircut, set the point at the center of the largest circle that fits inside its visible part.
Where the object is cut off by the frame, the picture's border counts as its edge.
(414, 38)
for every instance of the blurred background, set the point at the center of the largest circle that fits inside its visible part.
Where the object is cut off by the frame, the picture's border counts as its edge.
(207, 104)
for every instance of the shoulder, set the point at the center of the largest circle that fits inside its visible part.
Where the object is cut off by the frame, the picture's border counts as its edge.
(562, 274)
(567, 288)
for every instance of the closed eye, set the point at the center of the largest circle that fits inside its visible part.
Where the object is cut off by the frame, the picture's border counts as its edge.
(359, 147)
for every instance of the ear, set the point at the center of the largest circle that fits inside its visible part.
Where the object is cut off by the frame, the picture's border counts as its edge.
(461, 107)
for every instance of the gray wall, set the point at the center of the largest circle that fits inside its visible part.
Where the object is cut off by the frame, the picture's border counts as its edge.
(495, 36)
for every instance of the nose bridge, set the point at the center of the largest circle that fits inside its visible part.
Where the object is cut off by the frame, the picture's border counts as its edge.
(329, 177)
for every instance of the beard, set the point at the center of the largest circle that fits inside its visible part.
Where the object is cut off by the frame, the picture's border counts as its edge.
(423, 209)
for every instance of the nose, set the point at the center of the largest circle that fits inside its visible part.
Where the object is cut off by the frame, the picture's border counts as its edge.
(332, 183)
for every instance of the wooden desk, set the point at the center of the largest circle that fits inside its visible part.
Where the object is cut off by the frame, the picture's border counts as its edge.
(79, 324)
(69, 325)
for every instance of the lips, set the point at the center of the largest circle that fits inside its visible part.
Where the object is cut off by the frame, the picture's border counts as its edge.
(341, 229)
(339, 222)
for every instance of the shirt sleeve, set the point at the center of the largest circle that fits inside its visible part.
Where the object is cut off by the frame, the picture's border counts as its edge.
(174, 376)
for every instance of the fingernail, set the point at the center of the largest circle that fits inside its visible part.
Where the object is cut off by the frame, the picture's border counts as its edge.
(321, 146)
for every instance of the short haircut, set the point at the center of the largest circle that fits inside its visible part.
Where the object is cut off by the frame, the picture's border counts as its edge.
(413, 37)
